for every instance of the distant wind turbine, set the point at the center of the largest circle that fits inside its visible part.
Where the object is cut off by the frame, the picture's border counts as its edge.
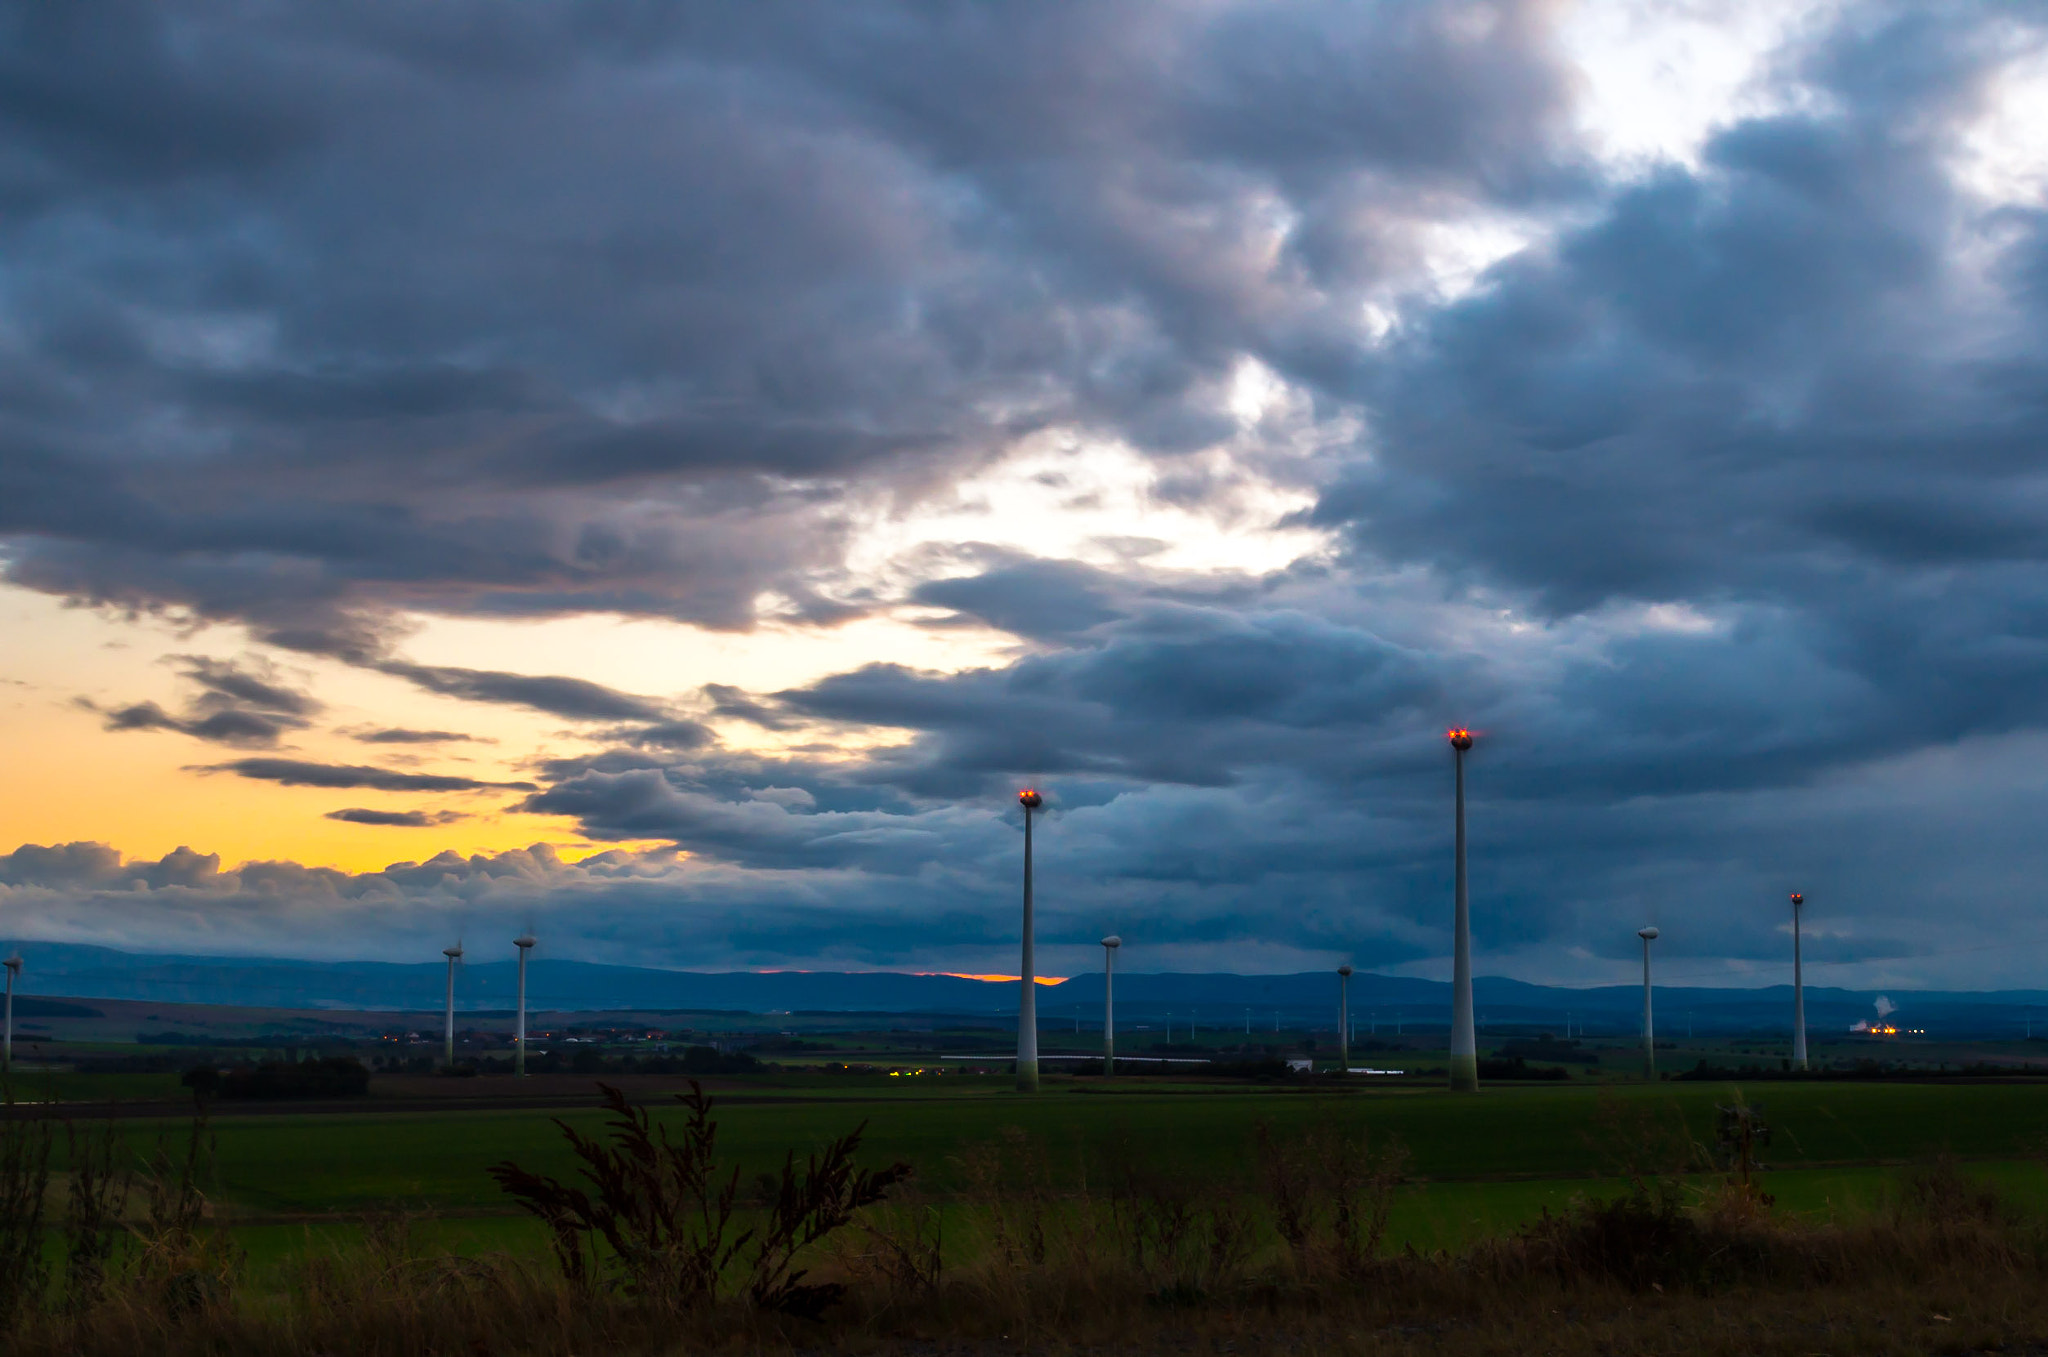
(454, 954)
(1109, 946)
(13, 965)
(525, 943)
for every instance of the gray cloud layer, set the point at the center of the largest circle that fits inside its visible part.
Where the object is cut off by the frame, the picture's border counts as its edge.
(1718, 507)
(238, 703)
(305, 773)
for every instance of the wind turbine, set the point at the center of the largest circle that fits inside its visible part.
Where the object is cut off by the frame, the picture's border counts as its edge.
(1798, 991)
(1344, 1019)
(454, 954)
(1648, 935)
(525, 943)
(13, 965)
(1027, 999)
(1464, 1040)
(1109, 946)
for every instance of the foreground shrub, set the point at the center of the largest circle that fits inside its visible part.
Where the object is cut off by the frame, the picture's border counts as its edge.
(182, 1267)
(1330, 1191)
(663, 1211)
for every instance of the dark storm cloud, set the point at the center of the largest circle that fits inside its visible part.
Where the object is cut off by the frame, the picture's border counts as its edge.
(1179, 695)
(681, 734)
(1737, 382)
(576, 699)
(398, 819)
(1043, 600)
(300, 773)
(1718, 508)
(726, 700)
(563, 309)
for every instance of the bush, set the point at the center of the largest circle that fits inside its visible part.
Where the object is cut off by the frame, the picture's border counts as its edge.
(1518, 1067)
(710, 1060)
(1330, 1192)
(664, 1211)
(1261, 1068)
(1640, 1239)
(333, 1077)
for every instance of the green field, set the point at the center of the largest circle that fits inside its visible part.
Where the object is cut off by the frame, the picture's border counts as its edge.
(1478, 1165)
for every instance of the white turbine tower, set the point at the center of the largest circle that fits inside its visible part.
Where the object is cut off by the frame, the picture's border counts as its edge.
(1344, 1019)
(13, 965)
(525, 943)
(1109, 946)
(1464, 1035)
(1027, 999)
(454, 954)
(1798, 991)
(1648, 935)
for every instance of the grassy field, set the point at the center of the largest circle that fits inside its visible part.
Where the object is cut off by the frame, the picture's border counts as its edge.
(1478, 1165)
(307, 1195)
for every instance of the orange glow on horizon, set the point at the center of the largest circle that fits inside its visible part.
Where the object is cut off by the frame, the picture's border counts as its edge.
(957, 975)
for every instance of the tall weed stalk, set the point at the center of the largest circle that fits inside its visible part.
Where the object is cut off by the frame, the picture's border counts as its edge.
(24, 1191)
(183, 1267)
(1330, 1190)
(97, 1195)
(660, 1216)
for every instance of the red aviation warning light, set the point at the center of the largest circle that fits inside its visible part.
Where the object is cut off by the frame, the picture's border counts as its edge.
(1461, 738)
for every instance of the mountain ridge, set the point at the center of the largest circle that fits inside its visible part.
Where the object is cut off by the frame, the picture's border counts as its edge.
(1212, 999)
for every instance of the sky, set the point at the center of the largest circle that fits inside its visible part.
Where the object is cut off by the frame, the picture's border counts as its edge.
(665, 476)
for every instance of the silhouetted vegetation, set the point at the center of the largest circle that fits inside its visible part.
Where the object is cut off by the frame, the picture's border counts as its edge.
(1859, 1071)
(329, 1077)
(662, 1247)
(28, 1006)
(1548, 1047)
(659, 1221)
(1519, 1068)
